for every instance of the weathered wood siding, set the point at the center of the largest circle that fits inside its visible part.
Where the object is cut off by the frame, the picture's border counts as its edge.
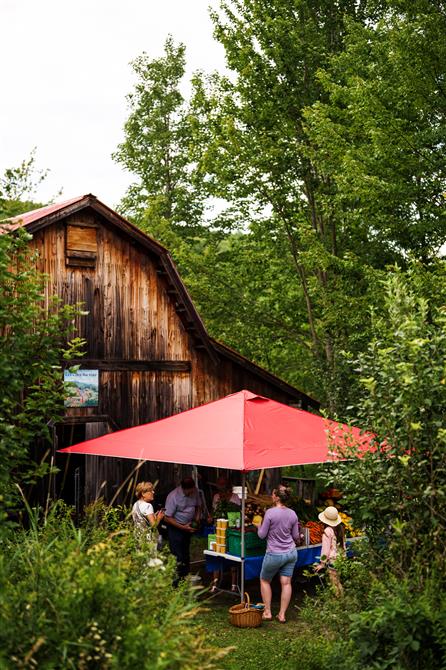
(134, 336)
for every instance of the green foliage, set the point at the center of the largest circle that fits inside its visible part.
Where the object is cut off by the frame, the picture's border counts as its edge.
(398, 491)
(72, 598)
(18, 186)
(299, 293)
(34, 331)
(393, 613)
(223, 507)
(380, 136)
(383, 621)
(323, 148)
(155, 149)
(403, 627)
(303, 285)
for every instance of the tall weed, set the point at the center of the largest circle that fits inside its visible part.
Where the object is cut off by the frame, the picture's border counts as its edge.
(72, 599)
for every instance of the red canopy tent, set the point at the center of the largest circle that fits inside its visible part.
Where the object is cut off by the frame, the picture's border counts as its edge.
(242, 431)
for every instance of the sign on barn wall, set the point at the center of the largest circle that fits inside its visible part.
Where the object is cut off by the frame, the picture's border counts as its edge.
(82, 388)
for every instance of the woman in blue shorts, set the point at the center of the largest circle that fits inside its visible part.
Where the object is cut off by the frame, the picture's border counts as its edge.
(281, 529)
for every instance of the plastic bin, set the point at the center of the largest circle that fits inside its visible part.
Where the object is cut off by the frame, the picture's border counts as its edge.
(232, 519)
(254, 546)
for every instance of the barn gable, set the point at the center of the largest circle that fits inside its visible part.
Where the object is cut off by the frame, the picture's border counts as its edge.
(144, 336)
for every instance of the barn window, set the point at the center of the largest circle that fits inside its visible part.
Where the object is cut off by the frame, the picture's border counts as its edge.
(81, 245)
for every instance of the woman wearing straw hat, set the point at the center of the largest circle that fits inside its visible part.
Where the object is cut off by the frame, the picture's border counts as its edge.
(332, 537)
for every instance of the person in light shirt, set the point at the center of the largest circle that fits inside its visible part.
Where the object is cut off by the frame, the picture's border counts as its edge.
(183, 513)
(280, 527)
(143, 515)
(332, 538)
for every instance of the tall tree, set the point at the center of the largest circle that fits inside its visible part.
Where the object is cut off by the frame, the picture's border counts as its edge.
(332, 122)
(253, 145)
(156, 145)
(380, 137)
(326, 141)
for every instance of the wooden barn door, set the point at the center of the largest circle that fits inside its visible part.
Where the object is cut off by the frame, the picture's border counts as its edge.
(83, 479)
(99, 471)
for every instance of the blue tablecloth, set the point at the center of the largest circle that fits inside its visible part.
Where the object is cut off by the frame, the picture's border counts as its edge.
(253, 564)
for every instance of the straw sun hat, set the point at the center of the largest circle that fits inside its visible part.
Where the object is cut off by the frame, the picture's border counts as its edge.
(330, 516)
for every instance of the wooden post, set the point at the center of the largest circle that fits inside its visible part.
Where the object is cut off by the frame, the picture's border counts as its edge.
(259, 482)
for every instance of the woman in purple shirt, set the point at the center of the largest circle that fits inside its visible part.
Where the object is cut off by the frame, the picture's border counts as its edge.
(281, 529)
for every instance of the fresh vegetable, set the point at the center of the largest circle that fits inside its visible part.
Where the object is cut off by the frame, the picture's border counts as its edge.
(316, 529)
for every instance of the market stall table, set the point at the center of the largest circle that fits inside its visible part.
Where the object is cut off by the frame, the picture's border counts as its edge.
(307, 555)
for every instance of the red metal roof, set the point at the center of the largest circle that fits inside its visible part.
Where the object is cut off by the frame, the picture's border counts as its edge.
(26, 218)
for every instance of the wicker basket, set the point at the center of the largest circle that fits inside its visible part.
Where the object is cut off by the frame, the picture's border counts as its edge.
(245, 615)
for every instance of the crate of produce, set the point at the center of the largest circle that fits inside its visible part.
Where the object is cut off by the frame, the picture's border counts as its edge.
(254, 546)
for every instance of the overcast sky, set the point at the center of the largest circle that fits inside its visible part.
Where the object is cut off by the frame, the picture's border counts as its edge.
(65, 75)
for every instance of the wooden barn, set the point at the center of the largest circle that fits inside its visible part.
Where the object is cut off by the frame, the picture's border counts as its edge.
(148, 354)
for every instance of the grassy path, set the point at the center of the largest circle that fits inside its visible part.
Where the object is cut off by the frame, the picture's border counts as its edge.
(268, 646)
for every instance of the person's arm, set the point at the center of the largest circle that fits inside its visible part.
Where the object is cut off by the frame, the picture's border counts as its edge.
(170, 519)
(325, 549)
(262, 531)
(183, 526)
(295, 531)
(154, 519)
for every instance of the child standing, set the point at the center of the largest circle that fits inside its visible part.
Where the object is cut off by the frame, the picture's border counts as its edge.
(332, 538)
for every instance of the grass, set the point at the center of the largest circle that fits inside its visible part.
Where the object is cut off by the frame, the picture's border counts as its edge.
(271, 644)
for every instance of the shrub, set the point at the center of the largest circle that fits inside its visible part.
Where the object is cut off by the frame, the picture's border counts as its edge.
(34, 330)
(381, 622)
(70, 601)
(404, 628)
(398, 491)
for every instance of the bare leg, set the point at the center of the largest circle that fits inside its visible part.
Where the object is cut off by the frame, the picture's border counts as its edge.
(234, 581)
(285, 597)
(336, 582)
(215, 580)
(265, 589)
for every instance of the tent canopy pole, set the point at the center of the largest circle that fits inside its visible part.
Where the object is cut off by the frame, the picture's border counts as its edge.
(242, 543)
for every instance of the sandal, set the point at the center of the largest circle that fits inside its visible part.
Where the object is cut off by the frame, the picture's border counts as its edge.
(267, 618)
(280, 620)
